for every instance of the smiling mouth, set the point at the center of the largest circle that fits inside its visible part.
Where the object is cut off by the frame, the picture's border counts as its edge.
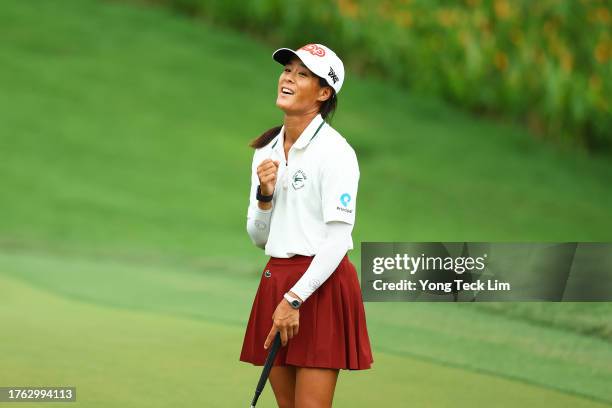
(286, 91)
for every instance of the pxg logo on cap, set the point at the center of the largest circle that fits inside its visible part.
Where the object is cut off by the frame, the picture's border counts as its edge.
(321, 60)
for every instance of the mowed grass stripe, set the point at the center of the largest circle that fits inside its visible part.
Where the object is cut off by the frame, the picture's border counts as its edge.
(129, 358)
(449, 334)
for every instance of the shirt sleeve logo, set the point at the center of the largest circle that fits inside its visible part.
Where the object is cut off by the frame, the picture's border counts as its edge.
(298, 179)
(345, 199)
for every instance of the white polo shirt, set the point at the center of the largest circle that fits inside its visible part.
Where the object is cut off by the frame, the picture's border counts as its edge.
(317, 184)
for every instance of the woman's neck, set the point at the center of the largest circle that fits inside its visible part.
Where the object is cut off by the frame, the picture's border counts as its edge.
(295, 125)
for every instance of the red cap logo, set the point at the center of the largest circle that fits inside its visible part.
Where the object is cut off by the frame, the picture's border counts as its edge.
(314, 49)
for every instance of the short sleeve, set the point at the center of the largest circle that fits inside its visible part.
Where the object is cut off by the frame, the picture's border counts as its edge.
(339, 183)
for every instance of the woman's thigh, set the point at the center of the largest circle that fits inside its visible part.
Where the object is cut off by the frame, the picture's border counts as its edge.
(282, 380)
(314, 387)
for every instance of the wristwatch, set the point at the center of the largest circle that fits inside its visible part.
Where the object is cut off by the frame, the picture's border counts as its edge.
(294, 302)
(263, 198)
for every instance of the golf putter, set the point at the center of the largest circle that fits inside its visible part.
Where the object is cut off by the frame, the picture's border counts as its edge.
(266, 369)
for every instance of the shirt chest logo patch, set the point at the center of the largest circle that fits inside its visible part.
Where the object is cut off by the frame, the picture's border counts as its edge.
(298, 179)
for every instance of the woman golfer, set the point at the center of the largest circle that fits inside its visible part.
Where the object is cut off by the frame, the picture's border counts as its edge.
(302, 211)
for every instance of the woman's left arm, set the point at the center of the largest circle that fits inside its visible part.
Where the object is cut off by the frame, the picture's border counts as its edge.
(339, 181)
(336, 244)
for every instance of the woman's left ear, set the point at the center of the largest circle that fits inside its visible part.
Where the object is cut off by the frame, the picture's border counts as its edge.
(324, 94)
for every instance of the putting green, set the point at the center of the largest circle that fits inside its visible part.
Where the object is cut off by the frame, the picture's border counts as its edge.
(136, 342)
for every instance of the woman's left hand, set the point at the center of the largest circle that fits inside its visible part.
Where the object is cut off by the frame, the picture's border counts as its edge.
(286, 320)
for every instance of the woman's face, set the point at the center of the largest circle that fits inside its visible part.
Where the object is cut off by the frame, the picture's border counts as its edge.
(299, 91)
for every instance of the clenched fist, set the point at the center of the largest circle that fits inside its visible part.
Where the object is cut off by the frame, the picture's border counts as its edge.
(267, 171)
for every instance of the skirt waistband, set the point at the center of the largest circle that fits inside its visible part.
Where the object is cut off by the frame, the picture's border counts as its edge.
(295, 260)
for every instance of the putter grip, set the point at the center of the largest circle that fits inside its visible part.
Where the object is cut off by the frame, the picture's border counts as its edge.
(267, 367)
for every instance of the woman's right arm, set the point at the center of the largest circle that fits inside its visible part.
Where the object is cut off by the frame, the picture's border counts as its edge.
(258, 227)
(260, 213)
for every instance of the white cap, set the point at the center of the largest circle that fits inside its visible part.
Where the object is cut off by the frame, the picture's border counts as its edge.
(317, 58)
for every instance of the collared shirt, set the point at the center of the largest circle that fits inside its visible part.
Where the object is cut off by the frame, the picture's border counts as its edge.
(315, 185)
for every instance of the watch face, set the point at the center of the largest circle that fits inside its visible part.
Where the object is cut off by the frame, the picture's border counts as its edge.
(295, 303)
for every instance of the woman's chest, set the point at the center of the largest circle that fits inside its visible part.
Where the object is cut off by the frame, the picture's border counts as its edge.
(298, 177)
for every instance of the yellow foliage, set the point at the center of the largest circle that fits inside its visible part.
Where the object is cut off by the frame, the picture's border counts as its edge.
(595, 82)
(503, 9)
(567, 61)
(603, 51)
(348, 8)
(403, 18)
(603, 15)
(549, 28)
(385, 9)
(447, 17)
(599, 15)
(501, 60)
(464, 37)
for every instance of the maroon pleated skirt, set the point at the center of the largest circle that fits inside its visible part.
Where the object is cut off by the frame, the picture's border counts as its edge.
(332, 331)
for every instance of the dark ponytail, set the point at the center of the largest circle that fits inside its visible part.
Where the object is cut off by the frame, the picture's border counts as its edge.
(265, 138)
(327, 110)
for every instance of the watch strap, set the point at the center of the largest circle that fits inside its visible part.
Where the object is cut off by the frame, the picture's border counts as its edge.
(295, 303)
(261, 197)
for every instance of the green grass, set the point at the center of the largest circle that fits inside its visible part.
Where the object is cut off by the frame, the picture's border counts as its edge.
(124, 175)
(130, 333)
(127, 128)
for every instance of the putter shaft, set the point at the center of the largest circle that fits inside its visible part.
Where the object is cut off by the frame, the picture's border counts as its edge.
(263, 378)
